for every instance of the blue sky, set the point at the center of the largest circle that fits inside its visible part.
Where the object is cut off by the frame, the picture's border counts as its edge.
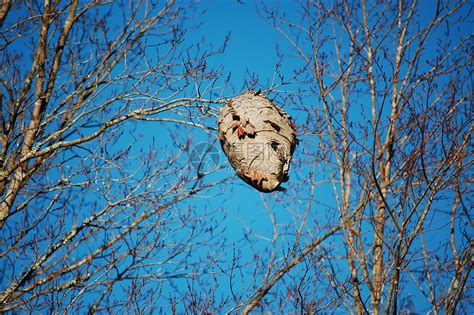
(252, 42)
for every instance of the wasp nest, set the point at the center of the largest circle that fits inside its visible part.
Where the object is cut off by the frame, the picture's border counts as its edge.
(258, 138)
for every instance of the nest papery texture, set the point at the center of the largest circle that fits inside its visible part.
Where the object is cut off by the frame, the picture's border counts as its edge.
(259, 139)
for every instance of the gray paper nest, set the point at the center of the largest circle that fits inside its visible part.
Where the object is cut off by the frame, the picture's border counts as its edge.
(259, 139)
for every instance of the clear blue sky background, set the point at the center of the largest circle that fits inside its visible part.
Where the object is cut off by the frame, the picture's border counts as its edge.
(252, 42)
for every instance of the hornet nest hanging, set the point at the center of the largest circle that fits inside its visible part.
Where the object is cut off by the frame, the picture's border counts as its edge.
(259, 139)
